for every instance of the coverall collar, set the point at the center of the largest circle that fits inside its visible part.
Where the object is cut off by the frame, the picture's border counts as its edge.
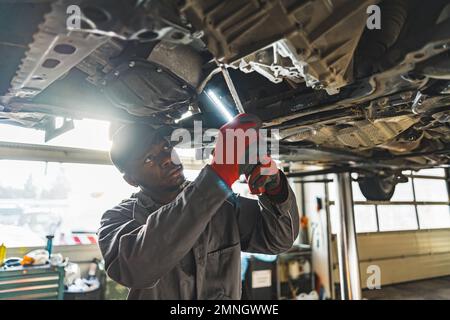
(147, 202)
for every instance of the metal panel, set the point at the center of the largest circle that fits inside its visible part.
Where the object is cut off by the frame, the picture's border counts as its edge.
(36, 73)
(385, 245)
(32, 283)
(317, 37)
(12, 285)
(409, 268)
(347, 240)
(402, 256)
(36, 152)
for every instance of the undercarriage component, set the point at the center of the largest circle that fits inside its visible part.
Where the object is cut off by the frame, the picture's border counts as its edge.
(182, 60)
(367, 134)
(437, 68)
(164, 81)
(318, 38)
(386, 92)
(144, 88)
(360, 135)
(60, 51)
(52, 54)
(414, 50)
(406, 142)
(375, 43)
(97, 65)
(377, 188)
(144, 20)
(422, 103)
(51, 131)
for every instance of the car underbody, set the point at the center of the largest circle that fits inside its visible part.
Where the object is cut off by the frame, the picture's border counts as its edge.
(341, 95)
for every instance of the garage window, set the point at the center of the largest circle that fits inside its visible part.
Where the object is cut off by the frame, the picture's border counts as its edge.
(396, 217)
(420, 203)
(61, 199)
(430, 189)
(66, 200)
(365, 218)
(434, 217)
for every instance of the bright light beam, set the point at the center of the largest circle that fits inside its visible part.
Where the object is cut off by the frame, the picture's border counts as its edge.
(214, 98)
(185, 115)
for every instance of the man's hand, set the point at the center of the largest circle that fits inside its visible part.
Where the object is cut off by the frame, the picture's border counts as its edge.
(265, 178)
(237, 139)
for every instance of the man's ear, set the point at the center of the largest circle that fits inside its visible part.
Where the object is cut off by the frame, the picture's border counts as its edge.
(130, 180)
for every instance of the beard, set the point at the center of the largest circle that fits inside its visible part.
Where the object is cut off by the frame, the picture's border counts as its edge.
(177, 185)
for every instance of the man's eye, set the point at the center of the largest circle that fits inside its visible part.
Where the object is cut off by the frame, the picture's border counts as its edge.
(148, 159)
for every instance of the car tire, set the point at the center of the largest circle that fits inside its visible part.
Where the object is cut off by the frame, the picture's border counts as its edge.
(377, 188)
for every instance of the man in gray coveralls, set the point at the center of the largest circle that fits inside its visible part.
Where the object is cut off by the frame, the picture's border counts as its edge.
(182, 240)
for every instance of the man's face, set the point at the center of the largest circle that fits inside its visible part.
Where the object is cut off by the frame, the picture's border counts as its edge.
(155, 169)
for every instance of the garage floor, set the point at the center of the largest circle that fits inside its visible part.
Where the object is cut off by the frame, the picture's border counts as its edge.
(430, 289)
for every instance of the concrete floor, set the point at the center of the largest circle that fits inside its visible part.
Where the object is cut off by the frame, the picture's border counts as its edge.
(430, 289)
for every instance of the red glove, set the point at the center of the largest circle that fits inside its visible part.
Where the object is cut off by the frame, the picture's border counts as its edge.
(230, 158)
(265, 178)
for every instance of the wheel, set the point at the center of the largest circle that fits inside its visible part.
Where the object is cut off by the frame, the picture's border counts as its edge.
(377, 188)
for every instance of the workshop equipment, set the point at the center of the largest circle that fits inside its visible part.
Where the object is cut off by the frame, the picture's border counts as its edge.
(50, 245)
(2, 253)
(261, 278)
(89, 287)
(295, 272)
(35, 257)
(33, 282)
(12, 262)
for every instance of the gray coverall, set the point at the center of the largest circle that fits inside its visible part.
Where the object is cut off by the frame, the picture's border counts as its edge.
(190, 248)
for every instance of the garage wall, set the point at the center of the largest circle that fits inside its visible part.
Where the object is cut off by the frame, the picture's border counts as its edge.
(405, 256)
(402, 256)
(318, 230)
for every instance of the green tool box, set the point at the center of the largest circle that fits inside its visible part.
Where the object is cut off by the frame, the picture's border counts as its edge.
(35, 282)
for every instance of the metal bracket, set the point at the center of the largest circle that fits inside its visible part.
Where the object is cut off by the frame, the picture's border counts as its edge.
(51, 131)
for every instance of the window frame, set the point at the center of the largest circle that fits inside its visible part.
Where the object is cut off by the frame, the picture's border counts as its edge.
(411, 176)
(326, 180)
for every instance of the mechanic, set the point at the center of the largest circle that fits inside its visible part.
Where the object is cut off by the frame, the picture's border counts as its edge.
(182, 240)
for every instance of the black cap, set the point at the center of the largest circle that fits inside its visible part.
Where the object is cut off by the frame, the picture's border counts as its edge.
(132, 141)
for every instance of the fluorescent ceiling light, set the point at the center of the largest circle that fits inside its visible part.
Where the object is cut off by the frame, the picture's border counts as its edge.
(214, 98)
